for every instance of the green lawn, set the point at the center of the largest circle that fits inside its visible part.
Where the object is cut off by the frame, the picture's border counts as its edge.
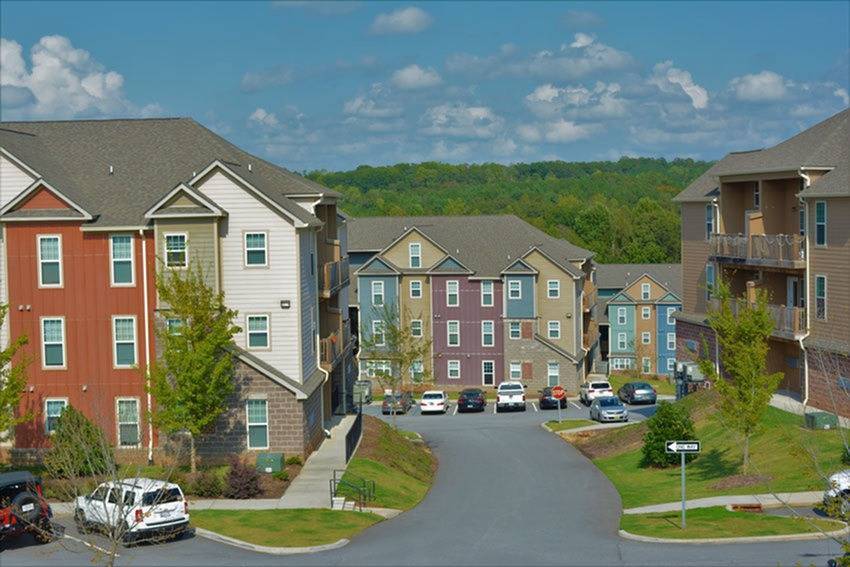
(662, 387)
(568, 424)
(717, 522)
(781, 450)
(285, 528)
(393, 488)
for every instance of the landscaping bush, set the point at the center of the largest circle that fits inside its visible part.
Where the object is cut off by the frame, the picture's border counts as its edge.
(207, 484)
(281, 475)
(845, 456)
(670, 422)
(293, 460)
(79, 449)
(243, 480)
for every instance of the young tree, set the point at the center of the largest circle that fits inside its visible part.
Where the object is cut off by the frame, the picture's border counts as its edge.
(193, 376)
(742, 328)
(13, 379)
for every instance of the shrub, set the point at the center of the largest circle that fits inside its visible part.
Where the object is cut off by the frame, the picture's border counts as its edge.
(243, 480)
(80, 448)
(845, 456)
(207, 484)
(281, 475)
(293, 460)
(670, 422)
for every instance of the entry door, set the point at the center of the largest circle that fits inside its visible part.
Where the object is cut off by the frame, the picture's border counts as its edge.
(793, 293)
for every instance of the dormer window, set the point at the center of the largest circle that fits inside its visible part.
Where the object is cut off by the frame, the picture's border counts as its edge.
(415, 252)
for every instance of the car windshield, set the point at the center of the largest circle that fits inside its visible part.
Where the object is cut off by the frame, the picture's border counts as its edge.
(642, 386)
(609, 402)
(547, 391)
(161, 496)
(600, 385)
(432, 397)
(510, 388)
(471, 393)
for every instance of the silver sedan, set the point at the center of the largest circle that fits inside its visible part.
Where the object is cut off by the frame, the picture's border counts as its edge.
(608, 409)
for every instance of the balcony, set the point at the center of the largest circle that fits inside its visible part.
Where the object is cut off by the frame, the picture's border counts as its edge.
(588, 300)
(786, 251)
(788, 322)
(333, 346)
(332, 277)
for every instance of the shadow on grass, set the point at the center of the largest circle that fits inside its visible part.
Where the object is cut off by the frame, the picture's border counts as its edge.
(714, 465)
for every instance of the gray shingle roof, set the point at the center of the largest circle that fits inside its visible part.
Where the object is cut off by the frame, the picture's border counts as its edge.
(149, 158)
(617, 276)
(485, 244)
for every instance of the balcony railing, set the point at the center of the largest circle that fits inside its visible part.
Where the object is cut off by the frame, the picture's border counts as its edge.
(334, 345)
(333, 276)
(778, 250)
(788, 322)
(589, 298)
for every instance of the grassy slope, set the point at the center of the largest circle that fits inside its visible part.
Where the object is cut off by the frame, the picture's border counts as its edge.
(568, 424)
(402, 470)
(662, 387)
(284, 528)
(718, 522)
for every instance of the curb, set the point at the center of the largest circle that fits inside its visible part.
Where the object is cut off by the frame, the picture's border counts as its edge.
(750, 539)
(269, 550)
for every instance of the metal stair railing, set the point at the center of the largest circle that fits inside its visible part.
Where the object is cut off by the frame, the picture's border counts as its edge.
(364, 489)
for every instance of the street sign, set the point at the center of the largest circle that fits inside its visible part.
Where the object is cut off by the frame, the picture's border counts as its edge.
(559, 393)
(682, 447)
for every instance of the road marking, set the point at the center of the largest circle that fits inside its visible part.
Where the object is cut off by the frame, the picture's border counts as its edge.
(494, 409)
(575, 405)
(455, 411)
(87, 544)
(534, 406)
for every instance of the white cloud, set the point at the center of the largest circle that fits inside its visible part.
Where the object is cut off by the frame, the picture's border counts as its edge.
(369, 107)
(462, 121)
(669, 79)
(415, 77)
(763, 86)
(254, 81)
(402, 21)
(582, 40)
(262, 117)
(63, 82)
(560, 131)
(842, 94)
(577, 101)
(445, 151)
(504, 147)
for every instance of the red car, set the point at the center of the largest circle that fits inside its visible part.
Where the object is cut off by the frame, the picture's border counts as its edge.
(23, 508)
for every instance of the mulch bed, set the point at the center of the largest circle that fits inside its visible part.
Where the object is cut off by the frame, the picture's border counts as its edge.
(741, 480)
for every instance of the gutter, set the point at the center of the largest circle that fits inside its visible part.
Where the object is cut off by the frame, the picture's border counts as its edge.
(147, 341)
(808, 182)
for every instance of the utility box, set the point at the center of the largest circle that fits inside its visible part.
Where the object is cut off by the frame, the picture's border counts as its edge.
(821, 420)
(269, 462)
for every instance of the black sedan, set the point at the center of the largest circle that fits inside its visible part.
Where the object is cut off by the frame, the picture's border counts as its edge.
(637, 393)
(471, 399)
(548, 401)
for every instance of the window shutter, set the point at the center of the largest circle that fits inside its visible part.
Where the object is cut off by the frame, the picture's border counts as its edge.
(526, 371)
(526, 330)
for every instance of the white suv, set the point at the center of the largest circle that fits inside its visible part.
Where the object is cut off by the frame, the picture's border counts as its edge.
(593, 389)
(134, 509)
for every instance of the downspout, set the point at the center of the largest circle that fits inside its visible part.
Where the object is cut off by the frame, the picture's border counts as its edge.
(715, 229)
(147, 340)
(317, 334)
(808, 182)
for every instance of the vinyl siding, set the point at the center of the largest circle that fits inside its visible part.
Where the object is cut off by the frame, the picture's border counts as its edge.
(694, 257)
(398, 254)
(309, 302)
(200, 242)
(565, 309)
(628, 328)
(369, 312)
(417, 308)
(661, 337)
(522, 308)
(833, 262)
(13, 180)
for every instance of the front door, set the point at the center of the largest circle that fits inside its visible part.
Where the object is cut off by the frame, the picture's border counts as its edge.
(794, 295)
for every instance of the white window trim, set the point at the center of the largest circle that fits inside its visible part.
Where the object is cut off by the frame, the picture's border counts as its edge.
(484, 373)
(448, 369)
(645, 291)
(185, 249)
(557, 289)
(646, 338)
(671, 364)
(115, 343)
(824, 223)
(624, 342)
(265, 249)
(518, 290)
(519, 328)
(169, 319)
(511, 369)
(646, 361)
(413, 366)
(118, 424)
(61, 283)
(112, 261)
(449, 333)
(248, 426)
(376, 285)
(670, 311)
(491, 293)
(709, 221)
(44, 412)
(492, 334)
(64, 342)
(410, 288)
(268, 333)
(421, 328)
(671, 339)
(383, 332)
(557, 325)
(411, 255)
(645, 313)
(825, 297)
(456, 284)
(549, 366)
(622, 317)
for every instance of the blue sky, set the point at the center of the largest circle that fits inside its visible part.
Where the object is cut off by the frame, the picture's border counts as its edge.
(334, 85)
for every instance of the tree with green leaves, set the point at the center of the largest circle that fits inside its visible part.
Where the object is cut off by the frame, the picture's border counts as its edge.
(192, 378)
(13, 380)
(742, 329)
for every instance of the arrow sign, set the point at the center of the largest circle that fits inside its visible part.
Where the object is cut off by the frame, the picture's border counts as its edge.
(679, 447)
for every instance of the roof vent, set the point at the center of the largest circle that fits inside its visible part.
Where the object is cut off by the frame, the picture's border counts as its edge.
(194, 174)
(111, 170)
(250, 167)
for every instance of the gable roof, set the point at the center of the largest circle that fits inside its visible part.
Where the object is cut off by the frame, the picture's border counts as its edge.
(620, 276)
(520, 267)
(74, 210)
(485, 244)
(148, 156)
(379, 266)
(449, 265)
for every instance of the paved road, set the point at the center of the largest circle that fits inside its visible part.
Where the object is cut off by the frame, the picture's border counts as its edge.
(507, 493)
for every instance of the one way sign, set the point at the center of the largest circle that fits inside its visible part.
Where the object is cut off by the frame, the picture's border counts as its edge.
(682, 447)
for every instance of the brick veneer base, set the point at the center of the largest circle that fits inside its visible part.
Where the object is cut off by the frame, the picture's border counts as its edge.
(825, 391)
(694, 342)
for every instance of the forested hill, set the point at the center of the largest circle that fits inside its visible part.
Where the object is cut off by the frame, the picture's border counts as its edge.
(621, 210)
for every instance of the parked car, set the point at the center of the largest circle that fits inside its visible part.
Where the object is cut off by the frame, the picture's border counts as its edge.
(23, 508)
(510, 395)
(548, 401)
(607, 409)
(837, 494)
(637, 393)
(591, 390)
(471, 399)
(136, 509)
(397, 403)
(362, 392)
(434, 401)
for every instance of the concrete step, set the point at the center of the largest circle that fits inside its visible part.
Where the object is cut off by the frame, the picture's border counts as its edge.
(338, 503)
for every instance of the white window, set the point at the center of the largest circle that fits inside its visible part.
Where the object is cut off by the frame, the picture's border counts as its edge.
(257, 419)
(757, 197)
(553, 289)
(802, 220)
(820, 223)
(379, 337)
(671, 364)
(486, 294)
(417, 370)
(488, 372)
(670, 311)
(646, 365)
(553, 373)
(415, 289)
(377, 294)
(416, 328)
(820, 297)
(554, 328)
(122, 259)
(258, 331)
(172, 325)
(176, 253)
(621, 315)
(53, 408)
(452, 296)
(415, 254)
(671, 341)
(453, 332)
(256, 249)
(514, 289)
(645, 291)
(709, 280)
(516, 370)
(514, 330)
(53, 342)
(621, 341)
(487, 334)
(127, 418)
(124, 339)
(645, 337)
(50, 260)
(454, 369)
(376, 368)
(645, 312)
(709, 221)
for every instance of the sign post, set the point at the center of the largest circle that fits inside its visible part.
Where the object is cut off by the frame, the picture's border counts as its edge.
(682, 448)
(559, 394)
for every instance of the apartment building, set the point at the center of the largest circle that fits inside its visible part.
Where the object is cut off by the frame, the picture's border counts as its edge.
(91, 211)
(497, 298)
(778, 220)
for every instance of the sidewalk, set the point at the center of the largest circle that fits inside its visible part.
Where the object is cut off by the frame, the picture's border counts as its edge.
(766, 500)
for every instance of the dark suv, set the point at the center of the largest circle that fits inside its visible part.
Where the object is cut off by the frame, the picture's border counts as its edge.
(23, 507)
